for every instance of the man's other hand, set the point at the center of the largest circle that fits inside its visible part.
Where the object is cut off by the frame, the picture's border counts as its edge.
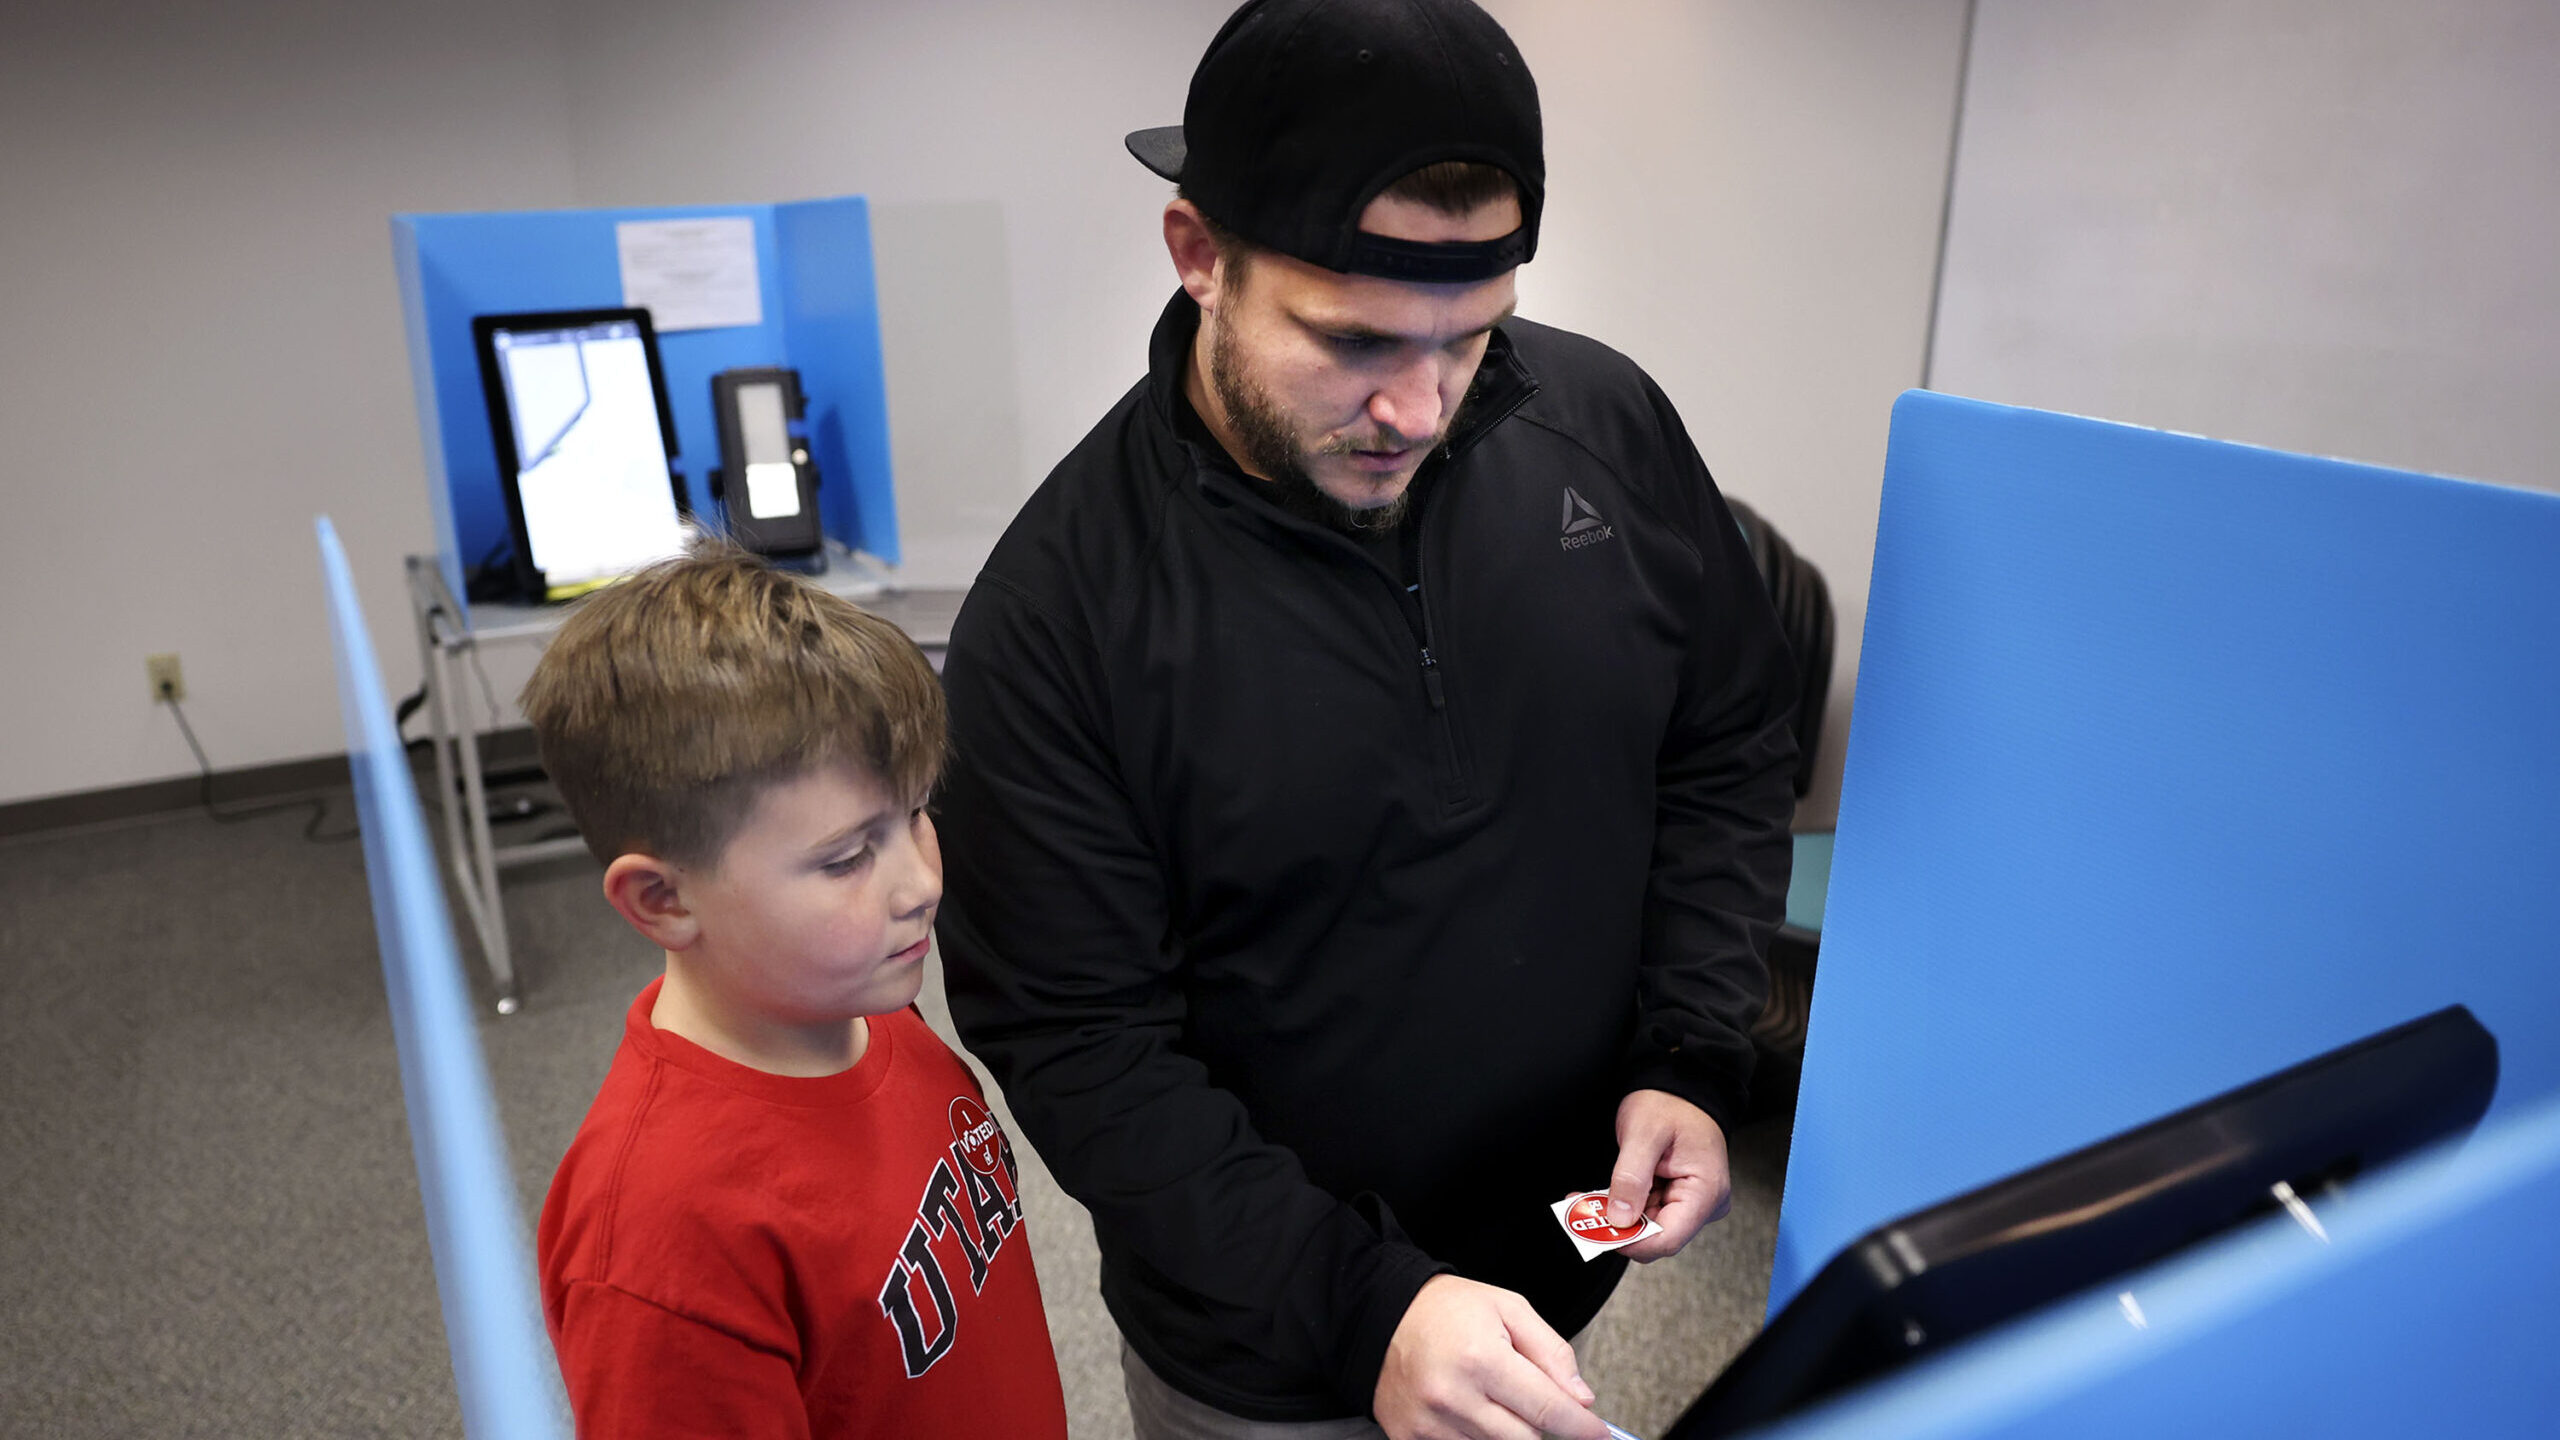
(1472, 1362)
(1671, 1166)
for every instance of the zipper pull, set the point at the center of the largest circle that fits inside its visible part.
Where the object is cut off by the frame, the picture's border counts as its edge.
(1431, 680)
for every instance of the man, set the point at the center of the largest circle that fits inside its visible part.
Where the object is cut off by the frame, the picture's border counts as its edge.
(1370, 771)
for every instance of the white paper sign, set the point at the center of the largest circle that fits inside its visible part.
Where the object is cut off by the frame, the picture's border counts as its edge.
(691, 274)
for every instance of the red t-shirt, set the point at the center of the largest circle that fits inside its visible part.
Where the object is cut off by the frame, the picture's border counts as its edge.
(726, 1252)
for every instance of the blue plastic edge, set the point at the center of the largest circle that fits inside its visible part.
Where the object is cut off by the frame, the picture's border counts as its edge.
(503, 1368)
(831, 328)
(422, 384)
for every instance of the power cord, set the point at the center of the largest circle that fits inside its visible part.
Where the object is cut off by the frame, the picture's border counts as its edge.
(204, 781)
(501, 809)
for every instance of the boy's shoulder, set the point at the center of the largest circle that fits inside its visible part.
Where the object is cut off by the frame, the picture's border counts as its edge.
(692, 1175)
(864, 1228)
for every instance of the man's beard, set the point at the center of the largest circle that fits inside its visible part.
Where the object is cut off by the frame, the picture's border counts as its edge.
(1271, 446)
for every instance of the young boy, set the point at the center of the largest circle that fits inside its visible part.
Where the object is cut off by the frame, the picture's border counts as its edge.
(788, 1212)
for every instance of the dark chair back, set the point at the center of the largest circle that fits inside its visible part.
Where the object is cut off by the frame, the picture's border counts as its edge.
(1803, 603)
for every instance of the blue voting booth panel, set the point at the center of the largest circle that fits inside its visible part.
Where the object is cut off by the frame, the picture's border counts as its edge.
(820, 316)
(502, 1361)
(2175, 763)
(2432, 1311)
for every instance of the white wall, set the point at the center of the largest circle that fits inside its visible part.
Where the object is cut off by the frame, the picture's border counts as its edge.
(1017, 275)
(1744, 197)
(200, 348)
(2323, 225)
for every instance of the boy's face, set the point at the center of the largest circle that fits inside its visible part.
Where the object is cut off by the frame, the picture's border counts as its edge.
(822, 906)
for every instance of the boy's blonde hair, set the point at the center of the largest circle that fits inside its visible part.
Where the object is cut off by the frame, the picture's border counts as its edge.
(671, 699)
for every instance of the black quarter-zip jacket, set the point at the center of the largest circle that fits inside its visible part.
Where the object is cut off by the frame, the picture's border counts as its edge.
(1315, 918)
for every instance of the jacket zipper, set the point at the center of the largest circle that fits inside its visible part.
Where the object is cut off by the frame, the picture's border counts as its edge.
(1459, 788)
(1431, 681)
(1455, 785)
(1455, 789)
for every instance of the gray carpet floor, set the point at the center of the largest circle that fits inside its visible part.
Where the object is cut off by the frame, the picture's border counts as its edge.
(209, 1224)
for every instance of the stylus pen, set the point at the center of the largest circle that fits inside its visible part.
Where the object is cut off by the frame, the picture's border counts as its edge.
(1619, 1433)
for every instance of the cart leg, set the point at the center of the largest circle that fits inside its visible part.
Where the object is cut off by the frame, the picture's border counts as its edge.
(480, 883)
(440, 724)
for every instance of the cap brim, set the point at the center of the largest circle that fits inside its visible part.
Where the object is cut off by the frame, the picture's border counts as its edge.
(1160, 150)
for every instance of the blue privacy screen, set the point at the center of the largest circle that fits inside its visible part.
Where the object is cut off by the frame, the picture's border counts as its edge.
(820, 314)
(2174, 763)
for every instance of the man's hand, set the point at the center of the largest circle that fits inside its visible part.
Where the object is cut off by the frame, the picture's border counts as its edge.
(1470, 1362)
(1671, 1166)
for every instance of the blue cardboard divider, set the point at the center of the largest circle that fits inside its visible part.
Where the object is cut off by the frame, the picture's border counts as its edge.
(2430, 1312)
(2175, 763)
(820, 315)
(502, 1362)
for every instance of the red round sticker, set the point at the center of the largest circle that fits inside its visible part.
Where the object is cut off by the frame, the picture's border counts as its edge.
(976, 1131)
(1588, 1218)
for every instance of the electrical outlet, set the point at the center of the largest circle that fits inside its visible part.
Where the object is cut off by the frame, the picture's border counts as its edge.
(168, 682)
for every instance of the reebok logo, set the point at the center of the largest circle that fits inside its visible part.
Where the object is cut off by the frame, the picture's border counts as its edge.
(1582, 524)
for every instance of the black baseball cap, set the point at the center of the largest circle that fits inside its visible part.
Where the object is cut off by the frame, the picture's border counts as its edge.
(1303, 110)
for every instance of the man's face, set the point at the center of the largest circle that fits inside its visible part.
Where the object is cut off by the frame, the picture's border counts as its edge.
(1339, 386)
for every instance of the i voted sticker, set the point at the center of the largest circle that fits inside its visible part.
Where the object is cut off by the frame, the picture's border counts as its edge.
(1585, 1218)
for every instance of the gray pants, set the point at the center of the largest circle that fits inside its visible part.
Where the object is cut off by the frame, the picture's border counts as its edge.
(1157, 1411)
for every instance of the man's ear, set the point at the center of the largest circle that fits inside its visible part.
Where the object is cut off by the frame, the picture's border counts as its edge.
(647, 890)
(1194, 251)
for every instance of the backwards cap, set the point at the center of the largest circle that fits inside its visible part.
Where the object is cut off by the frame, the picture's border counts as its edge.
(1302, 111)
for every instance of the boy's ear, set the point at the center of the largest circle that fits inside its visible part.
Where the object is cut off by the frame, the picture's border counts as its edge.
(645, 889)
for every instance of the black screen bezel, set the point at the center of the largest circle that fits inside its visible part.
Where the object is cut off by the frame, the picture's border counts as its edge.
(502, 430)
(1940, 1275)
